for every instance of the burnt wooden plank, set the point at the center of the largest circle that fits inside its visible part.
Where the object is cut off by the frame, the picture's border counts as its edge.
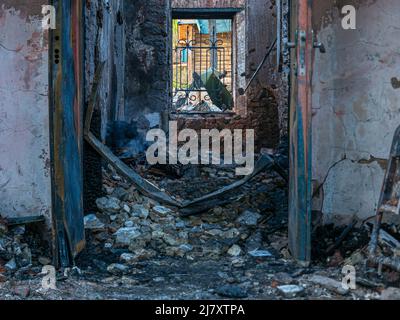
(24, 220)
(143, 185)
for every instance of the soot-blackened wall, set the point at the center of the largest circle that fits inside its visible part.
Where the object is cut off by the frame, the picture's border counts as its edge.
(147, 63)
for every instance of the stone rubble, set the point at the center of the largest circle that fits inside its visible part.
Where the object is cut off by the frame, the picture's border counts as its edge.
(290, 291)
(14, 251)
(140, 223)
(390, 294)
(249, 218)
(91, 222)
(238, 250)
(329, 284)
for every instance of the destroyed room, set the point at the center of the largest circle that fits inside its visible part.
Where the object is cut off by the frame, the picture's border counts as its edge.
(204, 150)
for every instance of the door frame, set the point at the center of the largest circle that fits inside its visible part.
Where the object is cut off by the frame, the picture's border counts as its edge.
(66, 130)
(300, 131)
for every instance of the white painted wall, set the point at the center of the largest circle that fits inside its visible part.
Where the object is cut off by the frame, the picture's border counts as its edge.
(356, 107)
(25, 185)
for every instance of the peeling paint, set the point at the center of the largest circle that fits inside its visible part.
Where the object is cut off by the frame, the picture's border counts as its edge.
(25, 186)
(28, 10)
(355, 109)
(382, 162)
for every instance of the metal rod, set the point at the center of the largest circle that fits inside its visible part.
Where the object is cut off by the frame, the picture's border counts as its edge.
(243, 91)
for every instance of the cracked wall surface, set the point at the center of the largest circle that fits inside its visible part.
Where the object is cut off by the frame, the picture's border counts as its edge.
(25, 182)
(356, 105)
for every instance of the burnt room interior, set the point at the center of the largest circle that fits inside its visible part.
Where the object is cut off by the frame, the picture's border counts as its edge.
(76, 189)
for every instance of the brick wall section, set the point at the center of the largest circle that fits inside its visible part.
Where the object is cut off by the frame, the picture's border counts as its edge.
(259, 118)
(267, 99)
(265, 106)
(208, 3)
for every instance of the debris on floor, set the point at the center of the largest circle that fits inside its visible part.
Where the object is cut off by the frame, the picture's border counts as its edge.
(141, 226)
(139, 248)
(202, 106)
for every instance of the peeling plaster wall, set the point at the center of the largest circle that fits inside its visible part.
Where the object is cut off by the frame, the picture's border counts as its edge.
(25, 182)
(356, 105)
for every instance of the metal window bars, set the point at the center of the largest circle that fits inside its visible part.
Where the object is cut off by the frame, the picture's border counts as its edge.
(201, 79)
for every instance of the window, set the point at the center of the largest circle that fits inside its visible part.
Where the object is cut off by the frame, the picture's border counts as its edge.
(202, 65)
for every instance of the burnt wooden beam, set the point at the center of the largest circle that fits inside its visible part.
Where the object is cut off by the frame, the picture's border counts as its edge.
(93, 97)
(143, 185)
(24, 220)
(202, 207)
(264, 163)
(390, 262)
(342, 237)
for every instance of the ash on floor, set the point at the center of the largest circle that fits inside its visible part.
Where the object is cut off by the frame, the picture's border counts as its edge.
(140, 249)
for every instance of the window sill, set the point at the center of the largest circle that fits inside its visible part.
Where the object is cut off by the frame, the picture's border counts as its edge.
(199, 115)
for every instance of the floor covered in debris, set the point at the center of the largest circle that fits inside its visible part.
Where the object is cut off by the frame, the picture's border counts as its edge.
(140, 249)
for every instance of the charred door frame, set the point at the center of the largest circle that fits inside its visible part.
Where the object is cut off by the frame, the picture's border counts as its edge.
(300, 131)
(66, 130)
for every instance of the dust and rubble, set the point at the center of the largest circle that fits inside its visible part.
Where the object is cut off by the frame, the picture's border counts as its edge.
(138, 248)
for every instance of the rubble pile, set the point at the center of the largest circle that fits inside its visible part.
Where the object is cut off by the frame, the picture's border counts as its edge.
(326, 250)
(202, 106)
(354, 251)
(22, 251)
(22, 256)
(14, 253)
(134, 232)
(143, 228)
(138, 248)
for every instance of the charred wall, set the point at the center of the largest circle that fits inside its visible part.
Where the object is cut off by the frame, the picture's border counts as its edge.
(134, 40)
(267, 100)
(104, 43)
(147, 66)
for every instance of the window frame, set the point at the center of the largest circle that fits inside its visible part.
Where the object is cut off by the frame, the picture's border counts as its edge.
(208, 13)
